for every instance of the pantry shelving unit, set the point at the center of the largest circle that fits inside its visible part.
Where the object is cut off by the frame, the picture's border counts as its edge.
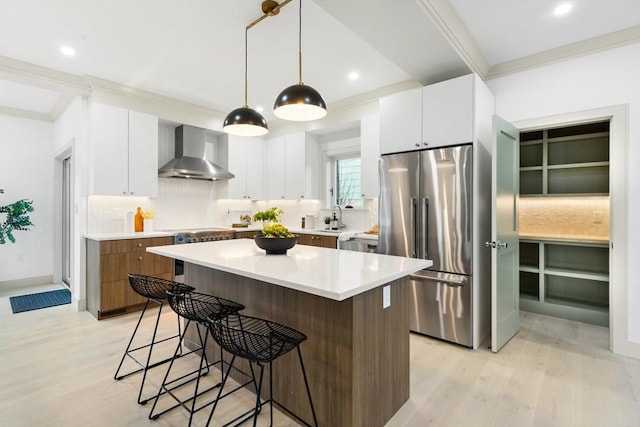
(570, 160)
(567, 278)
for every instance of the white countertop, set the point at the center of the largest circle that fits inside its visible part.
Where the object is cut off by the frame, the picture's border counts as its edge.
(330, 273)
(118, 236)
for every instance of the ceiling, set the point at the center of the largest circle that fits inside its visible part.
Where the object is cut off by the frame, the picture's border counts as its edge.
(192, 51)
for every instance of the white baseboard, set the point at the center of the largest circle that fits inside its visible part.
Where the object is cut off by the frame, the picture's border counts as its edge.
(26, 282)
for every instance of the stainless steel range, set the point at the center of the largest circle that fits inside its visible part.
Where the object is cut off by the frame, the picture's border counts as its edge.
(196, 236)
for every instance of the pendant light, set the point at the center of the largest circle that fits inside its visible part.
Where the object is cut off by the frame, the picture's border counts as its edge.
(245, 121)
(300, 102)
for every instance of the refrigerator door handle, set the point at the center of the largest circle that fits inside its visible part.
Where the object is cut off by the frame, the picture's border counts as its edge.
(425, 228)
(449, 279)
(412, 232)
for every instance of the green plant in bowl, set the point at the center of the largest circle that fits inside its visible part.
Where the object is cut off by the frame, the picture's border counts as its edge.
(275, 239)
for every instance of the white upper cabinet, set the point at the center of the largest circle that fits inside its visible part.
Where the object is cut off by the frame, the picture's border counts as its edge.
(369, 156)
(246, 161)
(295, 161)
(124, 152)
(401, 122)
(447, 112)
(292, 167)
(437, 115)
(274, 170)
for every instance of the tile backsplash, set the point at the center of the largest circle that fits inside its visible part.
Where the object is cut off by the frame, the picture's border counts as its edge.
(585, 216)
(184, 204)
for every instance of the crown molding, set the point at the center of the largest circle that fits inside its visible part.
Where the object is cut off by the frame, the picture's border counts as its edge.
(25, 114)
(42, 77)
(586, 47)
(129, 92)
(455, 31)
(448, 22)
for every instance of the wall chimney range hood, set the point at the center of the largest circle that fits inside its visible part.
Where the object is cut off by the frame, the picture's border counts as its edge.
(190, 161)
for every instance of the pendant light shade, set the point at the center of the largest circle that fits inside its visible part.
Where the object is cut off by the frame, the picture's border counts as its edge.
(245, 121)
(300, 102)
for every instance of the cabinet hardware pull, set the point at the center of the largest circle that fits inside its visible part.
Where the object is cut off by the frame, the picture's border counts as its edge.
(140, 258)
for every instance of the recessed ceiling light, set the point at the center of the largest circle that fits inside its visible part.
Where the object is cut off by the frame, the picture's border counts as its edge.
(562, 9)
(353, 76)
(67, 50)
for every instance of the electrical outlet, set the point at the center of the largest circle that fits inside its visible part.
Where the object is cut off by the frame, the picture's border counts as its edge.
(118, 214)
(597, 217)
(386, 296)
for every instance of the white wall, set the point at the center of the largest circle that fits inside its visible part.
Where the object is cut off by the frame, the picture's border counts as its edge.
(601, 80)
(26, 172)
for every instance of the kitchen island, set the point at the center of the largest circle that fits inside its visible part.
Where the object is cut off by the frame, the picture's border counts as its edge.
(353, 307)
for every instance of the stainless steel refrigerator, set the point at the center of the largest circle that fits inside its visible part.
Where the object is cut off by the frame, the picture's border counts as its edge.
(426, 212)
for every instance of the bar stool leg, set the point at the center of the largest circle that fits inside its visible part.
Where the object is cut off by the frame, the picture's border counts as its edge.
(306, 384)
(148, 364)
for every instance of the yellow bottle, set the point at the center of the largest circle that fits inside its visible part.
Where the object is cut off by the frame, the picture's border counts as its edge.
(138, 220)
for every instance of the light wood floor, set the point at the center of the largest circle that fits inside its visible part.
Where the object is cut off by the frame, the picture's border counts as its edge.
(57, 366)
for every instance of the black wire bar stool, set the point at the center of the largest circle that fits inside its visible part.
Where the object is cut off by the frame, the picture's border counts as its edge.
(260, 342)
(154, 289)
(198, 308)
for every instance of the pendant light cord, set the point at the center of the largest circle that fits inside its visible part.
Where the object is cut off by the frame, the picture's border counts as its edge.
(300, 42)
(246, 84)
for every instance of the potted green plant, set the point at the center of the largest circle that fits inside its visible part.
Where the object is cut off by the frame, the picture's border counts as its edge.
(16, 218)
(269, 215)
(327, 221)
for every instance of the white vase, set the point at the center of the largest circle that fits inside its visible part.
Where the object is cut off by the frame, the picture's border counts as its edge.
(147, 225)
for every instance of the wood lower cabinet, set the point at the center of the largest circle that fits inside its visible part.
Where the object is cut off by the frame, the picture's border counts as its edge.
(318, 240)
(108, 264)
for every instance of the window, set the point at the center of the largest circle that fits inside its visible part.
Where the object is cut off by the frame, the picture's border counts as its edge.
(348, 186)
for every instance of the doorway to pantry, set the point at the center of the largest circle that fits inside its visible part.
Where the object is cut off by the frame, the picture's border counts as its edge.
(622, 319)
(564, 222)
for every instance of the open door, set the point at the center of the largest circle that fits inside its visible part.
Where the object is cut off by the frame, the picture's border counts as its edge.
(505, 286)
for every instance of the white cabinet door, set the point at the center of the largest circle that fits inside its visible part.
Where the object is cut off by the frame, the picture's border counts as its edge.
(401, 122)
(275, 169)
(237, 186)
(295, 161)
(109, 137)
(369, 156)
(447, 112)
(143, 154)
(124, 155)
(255, 168)
(246, 161)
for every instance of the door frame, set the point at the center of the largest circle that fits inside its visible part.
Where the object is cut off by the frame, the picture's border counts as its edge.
(618, 284)
(66, 152)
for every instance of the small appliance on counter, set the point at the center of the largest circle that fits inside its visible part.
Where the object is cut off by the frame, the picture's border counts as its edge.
(239, 218)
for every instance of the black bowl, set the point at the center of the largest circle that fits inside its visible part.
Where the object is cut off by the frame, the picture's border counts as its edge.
(275, 245)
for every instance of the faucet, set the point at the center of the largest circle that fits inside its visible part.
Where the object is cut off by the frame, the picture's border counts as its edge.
(340, 224)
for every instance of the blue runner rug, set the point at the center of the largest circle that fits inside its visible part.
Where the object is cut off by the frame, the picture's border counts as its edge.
(40, 300)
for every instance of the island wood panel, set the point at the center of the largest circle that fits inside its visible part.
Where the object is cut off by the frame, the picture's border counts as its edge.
(356, 354)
